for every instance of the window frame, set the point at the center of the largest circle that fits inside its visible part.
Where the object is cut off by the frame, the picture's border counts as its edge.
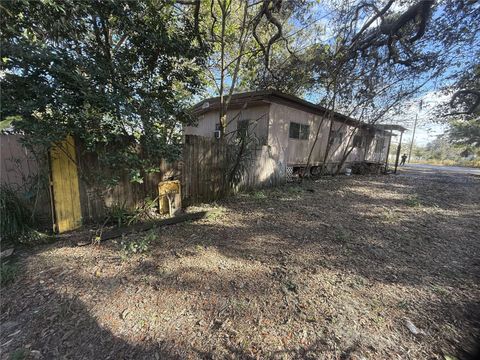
(298, 131)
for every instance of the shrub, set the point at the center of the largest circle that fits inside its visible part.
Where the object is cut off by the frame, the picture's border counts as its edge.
(413, 201)
(15, 218)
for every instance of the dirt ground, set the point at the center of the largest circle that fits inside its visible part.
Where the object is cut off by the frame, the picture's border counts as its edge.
(337, 268)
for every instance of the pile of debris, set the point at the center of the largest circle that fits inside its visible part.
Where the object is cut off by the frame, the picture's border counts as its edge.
(367, 168)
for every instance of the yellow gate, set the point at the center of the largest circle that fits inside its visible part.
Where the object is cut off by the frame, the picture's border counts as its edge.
(66, 195)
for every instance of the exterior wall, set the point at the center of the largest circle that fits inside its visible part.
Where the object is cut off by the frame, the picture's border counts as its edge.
(338, 147)
(378, 156)
(258, 116)
(293, 152)
(263, 170)
(272, 123)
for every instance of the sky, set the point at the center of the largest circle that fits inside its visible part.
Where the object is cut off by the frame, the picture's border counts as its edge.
(427, 126)
(314, 26)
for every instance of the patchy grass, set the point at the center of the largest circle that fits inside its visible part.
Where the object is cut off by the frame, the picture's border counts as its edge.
(259, 195)
(137, 245)
(413, 201)
(327, 269)
(215, 213)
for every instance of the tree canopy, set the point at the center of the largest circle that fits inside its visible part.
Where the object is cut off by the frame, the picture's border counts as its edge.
(120, 75)
(116, 74)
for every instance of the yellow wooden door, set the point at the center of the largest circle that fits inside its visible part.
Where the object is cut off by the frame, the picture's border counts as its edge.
(66, 195)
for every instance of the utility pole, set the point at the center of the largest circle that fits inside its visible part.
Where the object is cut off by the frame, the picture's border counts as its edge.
(398, 151)
(413, 138)
(414, 128)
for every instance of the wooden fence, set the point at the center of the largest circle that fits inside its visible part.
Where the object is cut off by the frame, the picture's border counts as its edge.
(95, 200)
(204, 170)
(201, 170)
(20, 170)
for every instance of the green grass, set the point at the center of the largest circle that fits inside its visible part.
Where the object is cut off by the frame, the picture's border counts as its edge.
(215, 213)
(413, 201)
(259, 195)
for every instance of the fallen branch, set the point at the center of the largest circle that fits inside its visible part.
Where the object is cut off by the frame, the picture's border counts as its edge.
(126, 230)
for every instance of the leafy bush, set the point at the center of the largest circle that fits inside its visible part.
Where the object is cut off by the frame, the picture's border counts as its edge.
(16, 218)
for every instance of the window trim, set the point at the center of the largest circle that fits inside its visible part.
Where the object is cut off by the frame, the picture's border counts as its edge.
(303, 132)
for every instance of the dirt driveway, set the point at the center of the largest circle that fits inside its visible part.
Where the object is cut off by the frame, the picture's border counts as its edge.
(337, 268)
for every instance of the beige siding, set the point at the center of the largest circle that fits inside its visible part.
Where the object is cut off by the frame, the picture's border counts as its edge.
(378, 156)
(339, 148)
(263, 171)
(258, 117)
(288, 151)
(272, 124)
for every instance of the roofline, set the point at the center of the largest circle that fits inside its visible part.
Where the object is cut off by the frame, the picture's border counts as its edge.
(267, 96)
(391, 127)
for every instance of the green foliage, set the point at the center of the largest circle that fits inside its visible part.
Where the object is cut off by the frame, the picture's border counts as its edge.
(443, 151)
(413, 201)
(120, 214)
(117, 75)
(465, 132)
(8, 273)
(138, 246)
(215, 213)
(259, 195)
(19, 354)
(15, 219)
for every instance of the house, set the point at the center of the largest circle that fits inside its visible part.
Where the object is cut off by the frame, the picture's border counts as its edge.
(285, 128)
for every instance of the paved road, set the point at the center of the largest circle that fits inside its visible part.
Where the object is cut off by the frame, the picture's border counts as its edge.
(450, 169)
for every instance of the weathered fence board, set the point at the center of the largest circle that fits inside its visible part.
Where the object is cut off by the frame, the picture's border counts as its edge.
(204, 169)
(20, 169)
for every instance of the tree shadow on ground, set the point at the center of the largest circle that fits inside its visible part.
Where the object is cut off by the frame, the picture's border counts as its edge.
(339, 227)
(52, 326)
